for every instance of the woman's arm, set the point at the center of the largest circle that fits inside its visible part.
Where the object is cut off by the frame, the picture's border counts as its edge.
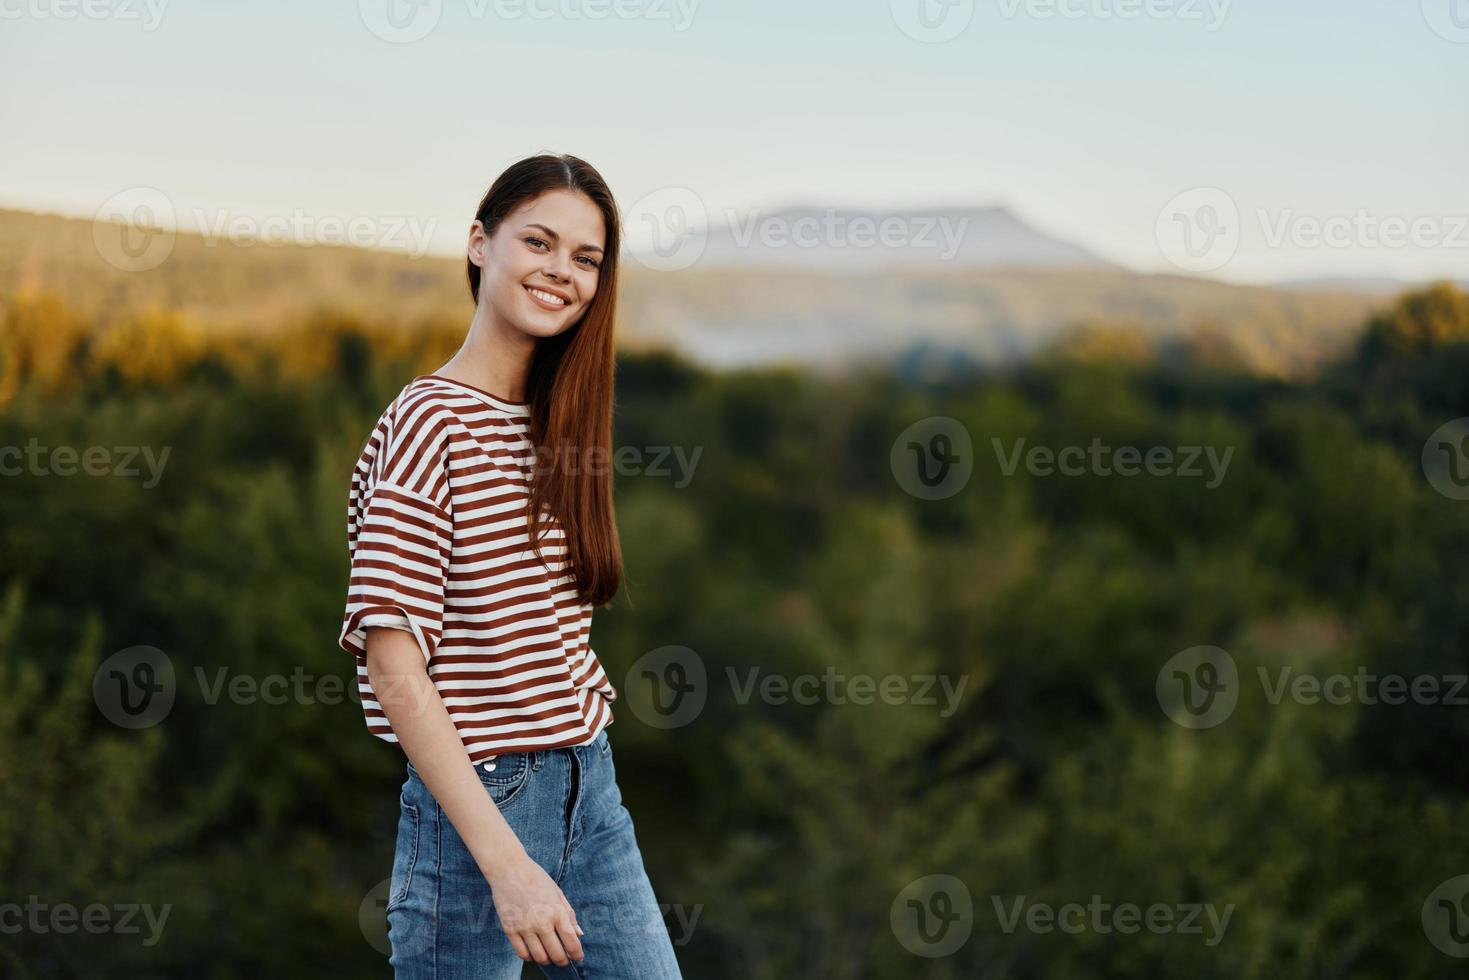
(534, 913)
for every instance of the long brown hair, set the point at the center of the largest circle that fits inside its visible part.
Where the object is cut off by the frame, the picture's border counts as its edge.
(569, 386)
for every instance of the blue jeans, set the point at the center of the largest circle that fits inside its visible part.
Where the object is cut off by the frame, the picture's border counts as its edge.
(566, 809)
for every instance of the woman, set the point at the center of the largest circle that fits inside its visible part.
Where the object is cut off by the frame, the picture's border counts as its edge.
(481, 533)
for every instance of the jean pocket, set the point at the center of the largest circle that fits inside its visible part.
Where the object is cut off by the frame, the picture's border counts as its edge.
(405, 854)
(605, 744)
(509, 777)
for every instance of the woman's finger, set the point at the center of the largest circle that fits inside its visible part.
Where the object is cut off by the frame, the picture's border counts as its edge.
(566, 931)
(537, 951)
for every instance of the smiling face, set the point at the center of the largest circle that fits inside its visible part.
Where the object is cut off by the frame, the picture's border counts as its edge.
(540, 269)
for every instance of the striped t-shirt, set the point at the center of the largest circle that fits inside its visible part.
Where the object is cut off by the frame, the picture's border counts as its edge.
(439, 540)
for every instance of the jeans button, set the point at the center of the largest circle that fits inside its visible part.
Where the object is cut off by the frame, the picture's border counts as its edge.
(489, 766)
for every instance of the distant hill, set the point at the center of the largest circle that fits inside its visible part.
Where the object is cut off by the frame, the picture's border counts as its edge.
(849, 240)
(1366, 285)
(724, 316)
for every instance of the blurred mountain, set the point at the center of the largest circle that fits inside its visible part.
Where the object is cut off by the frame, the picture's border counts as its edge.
(723, 315)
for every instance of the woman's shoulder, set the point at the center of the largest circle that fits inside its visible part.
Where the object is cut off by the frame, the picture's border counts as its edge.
(425, 393)
(426, 402)
(440, 412)
(420, 406)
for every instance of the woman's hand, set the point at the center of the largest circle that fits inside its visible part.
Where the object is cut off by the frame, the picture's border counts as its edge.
(534, 913)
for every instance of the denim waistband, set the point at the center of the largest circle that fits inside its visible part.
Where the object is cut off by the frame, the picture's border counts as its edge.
(535, 757)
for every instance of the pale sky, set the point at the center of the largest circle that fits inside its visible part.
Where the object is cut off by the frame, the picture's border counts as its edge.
(1087, 117)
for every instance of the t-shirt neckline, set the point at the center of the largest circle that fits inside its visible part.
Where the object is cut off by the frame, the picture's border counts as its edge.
(499, 401)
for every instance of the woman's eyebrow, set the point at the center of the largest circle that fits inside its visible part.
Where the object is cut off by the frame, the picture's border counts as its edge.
(556, 238)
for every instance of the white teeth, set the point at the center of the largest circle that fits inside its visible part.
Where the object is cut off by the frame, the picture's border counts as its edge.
(548, 297)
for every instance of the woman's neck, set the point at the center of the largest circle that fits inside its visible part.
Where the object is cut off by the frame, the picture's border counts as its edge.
(495, 359)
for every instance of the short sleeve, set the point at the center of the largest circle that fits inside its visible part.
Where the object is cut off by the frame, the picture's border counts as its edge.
(400, 533)
(394, 620)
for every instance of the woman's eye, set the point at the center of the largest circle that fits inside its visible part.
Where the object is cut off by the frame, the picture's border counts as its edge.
(589, 262)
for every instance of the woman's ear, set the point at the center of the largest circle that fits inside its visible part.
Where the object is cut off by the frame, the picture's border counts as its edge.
(479, 243)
